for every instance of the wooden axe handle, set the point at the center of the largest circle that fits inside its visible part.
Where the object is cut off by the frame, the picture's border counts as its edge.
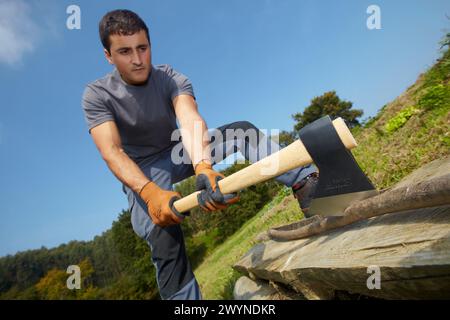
(288, 158)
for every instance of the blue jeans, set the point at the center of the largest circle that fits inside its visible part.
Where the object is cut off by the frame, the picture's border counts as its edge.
(173, 271)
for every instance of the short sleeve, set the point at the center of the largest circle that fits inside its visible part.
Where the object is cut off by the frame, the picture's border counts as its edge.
(95, 110)
(178, 83)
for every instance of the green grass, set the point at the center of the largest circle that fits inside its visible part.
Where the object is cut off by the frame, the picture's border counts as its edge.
(435, 96)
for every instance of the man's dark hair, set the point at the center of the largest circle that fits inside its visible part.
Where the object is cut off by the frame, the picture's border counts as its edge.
(122, 22)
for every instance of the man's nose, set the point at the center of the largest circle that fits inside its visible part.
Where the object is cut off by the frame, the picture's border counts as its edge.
(136, 58)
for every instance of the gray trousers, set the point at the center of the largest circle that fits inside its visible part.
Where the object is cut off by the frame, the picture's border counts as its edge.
(173, 271)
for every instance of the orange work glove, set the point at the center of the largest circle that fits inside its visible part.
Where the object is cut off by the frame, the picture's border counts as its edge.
(211, 198)
(160, 204)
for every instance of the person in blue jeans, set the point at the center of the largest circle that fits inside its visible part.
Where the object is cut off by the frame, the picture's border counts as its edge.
(132, 114)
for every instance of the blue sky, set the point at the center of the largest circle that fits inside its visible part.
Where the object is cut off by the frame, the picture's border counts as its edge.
(251, 60)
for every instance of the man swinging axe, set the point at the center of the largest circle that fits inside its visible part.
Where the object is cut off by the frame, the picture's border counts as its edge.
(131, 114)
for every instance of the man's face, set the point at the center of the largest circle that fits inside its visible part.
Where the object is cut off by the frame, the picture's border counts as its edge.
(131, 55)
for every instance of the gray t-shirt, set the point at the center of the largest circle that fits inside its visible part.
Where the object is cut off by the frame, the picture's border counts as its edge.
(144, 114)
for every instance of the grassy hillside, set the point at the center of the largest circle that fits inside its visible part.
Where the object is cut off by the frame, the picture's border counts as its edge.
(412, 130)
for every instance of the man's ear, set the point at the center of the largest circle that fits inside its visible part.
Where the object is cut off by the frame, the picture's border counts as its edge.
(108, 56)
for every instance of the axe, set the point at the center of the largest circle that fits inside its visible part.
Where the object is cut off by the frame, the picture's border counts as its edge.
(324, 142)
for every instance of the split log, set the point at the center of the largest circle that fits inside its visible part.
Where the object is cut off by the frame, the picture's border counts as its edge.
(424, 194)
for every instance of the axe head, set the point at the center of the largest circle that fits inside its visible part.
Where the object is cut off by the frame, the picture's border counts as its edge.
(341, 180)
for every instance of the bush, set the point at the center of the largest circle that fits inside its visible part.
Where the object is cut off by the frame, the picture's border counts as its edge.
(400, 119)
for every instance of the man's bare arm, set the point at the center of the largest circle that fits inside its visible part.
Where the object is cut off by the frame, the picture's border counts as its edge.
(193, 129)
(107, 139)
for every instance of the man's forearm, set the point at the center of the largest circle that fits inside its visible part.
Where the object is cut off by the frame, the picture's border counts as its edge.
(195, 139)
(125, 169)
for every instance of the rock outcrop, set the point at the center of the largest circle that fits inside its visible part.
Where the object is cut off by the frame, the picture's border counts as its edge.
(408, 249)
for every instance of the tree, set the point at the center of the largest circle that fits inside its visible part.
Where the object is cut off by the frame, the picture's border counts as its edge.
(53, 286)
(446, 39)
(327, 104)
(285, 138)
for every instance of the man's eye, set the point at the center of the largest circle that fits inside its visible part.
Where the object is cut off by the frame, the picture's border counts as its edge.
(143, 49)
(124, 52)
